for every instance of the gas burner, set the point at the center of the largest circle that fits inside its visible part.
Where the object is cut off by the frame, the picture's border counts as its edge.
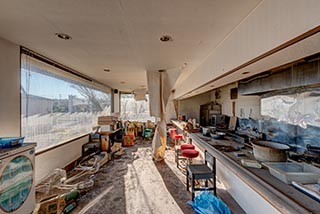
(305, 158)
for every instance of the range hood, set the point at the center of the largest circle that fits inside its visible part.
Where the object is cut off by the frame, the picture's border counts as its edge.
(303, 73)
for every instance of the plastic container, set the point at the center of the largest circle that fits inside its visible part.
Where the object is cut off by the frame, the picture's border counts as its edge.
(298, 172)
(9, 142)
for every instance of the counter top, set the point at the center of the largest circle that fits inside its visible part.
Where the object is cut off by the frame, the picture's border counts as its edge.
(282, 196)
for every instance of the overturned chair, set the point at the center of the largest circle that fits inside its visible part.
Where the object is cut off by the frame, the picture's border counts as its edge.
(206, 171)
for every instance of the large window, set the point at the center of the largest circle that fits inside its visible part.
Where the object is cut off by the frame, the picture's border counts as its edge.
(299, 106)
(133, 110)
(56, 108)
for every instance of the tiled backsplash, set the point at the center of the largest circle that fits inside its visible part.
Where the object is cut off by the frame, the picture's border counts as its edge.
(285, 133)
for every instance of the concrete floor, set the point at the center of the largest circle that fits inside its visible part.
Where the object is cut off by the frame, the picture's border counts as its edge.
(135, 183)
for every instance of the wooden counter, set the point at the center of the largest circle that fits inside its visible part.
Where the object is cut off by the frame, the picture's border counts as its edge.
(255, 190)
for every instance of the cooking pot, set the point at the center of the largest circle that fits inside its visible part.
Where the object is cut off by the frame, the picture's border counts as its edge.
(270, 151)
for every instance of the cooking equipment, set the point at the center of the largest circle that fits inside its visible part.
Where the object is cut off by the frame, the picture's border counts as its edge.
(270, 151)
(206, 111)
(218, 135)
(298, 172)
(207, 130)
(219, 120)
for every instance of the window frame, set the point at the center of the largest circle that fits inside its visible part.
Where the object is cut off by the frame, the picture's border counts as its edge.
(69, 74)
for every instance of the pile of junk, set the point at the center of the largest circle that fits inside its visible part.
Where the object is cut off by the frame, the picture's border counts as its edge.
(60, 191)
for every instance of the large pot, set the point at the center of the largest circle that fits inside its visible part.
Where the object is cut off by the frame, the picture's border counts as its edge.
(270, 151)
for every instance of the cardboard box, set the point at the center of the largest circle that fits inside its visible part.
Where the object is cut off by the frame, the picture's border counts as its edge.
(128, 140)
(107, 120)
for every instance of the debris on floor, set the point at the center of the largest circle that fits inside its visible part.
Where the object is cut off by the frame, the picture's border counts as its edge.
(131, 183)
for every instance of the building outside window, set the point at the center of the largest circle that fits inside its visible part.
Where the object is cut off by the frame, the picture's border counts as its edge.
(133, 110)
(56, 108)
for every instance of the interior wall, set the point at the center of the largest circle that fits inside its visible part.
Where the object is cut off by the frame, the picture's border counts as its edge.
(245, 106)
(9, 89)
(191, 106)
(58, 158)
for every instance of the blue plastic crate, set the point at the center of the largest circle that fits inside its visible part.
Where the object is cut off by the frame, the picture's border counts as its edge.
(9, 142)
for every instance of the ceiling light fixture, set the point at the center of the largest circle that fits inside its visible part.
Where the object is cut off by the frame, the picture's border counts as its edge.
(246, 72)
(166, 38)
(63, 36)
(106, 70)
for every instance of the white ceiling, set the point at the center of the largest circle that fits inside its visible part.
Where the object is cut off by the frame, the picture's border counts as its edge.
(122, 35)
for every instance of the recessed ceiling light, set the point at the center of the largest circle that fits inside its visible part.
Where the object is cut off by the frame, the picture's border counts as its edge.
(63, 36)
(166, 38)
(106, 70)
(122, 82)
(246, 72)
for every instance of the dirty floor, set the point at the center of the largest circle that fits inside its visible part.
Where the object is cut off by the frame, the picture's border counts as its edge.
(135, 183)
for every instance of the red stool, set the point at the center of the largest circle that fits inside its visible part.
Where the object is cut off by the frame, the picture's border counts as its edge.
(172, 132)
(185, 152)
(190, 153)
(186, 146)
(177, 138)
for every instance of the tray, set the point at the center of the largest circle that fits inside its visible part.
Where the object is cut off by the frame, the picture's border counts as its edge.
(298, 172)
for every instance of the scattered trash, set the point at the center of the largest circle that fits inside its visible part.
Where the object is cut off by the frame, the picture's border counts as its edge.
(63, 203)
(208, 203)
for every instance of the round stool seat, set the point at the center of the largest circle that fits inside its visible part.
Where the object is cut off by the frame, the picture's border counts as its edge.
(178, 136)
(190, 153)
(186, 146)
(172, 132)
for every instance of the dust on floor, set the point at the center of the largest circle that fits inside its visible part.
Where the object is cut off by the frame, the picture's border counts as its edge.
(135, 184)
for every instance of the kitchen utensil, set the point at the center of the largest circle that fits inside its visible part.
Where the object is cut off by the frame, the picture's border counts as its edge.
(270, 151)
(207, 130)
(218, 135)
(251, 163)
(299, 172)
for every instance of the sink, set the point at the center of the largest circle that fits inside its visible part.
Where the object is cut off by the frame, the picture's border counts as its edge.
(298, 172)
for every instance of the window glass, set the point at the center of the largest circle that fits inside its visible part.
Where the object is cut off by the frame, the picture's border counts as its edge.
(298, 107)
(133, 110)
(54, 108)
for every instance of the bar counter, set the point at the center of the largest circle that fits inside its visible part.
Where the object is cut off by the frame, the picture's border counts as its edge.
(255, 190)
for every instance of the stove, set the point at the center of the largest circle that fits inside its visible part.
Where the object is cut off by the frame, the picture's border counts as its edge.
(306, 158)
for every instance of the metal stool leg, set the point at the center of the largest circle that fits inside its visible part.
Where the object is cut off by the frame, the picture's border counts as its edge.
(192, 186)
(187, 180)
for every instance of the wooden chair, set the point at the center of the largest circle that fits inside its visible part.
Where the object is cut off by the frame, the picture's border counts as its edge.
(205, 171)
